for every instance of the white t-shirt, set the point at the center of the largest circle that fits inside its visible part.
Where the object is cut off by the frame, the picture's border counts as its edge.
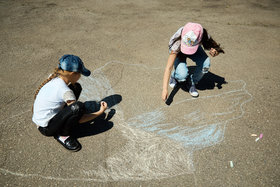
(50, 100)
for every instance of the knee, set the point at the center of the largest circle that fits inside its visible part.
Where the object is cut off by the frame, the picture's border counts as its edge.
(181, 77)
(77, 107)
(78, 87)
(181, 73)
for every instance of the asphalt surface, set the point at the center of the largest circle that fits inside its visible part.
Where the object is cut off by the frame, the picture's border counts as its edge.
(205, 141)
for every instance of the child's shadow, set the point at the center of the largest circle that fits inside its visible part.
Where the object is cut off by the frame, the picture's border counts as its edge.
(101, 123)
(208, 82)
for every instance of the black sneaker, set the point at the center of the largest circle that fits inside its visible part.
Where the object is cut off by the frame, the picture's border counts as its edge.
(70, 143)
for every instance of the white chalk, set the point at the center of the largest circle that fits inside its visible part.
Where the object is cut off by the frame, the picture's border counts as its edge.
(231, 164)
(257, 139)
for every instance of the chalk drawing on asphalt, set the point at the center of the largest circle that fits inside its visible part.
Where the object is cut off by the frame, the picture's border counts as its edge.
(158, 146)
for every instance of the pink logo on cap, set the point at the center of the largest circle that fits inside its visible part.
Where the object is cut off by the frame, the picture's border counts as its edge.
(191, 37)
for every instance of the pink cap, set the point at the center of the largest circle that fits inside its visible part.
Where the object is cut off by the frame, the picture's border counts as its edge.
(191, 37)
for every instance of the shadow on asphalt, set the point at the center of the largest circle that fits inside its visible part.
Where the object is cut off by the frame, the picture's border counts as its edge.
(102, 123)
(92, 128)
(208, 82)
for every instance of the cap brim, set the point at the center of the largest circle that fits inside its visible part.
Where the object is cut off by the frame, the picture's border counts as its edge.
(188, 50)
(86, 72)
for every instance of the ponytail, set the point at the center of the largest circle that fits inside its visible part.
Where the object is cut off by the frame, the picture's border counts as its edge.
(55, 74)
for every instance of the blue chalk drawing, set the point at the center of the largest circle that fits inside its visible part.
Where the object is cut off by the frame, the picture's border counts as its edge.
(191, 130)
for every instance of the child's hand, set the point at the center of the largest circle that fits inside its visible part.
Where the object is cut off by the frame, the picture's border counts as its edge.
(103, 106)
(213, 52)
(164, 95)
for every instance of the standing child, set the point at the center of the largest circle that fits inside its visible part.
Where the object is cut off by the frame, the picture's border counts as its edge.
(56, 109)
(186, 43)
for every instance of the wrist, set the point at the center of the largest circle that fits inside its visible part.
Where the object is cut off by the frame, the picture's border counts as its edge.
(101, 111)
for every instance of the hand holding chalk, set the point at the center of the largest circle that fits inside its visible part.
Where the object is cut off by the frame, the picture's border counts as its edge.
(164, 95)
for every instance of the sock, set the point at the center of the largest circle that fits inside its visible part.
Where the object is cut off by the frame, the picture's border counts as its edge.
(63, 138)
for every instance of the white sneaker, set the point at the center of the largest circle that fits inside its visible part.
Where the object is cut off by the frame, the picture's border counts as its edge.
(172, 82)
(193, 91)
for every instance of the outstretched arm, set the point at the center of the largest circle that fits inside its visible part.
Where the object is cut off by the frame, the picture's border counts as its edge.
(166, 76)
(91, 116)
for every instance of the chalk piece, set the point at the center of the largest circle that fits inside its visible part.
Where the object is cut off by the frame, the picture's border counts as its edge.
(261, 135)
(254, 135)
(231, 164)
(257, 139)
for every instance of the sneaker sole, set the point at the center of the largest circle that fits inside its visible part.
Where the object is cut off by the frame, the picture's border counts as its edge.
(194, 95)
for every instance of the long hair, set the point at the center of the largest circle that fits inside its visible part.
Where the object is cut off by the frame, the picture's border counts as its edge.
(56, 73)
(209, 42)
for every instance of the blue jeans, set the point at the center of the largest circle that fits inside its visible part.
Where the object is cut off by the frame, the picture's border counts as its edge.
(181, 72)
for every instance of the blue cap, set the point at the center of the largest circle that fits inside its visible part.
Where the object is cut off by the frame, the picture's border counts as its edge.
(73, 63)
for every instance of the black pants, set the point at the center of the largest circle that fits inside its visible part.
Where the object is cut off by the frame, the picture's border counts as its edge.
(64, 121)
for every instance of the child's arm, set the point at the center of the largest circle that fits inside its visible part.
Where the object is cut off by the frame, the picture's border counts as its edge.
(91, 116)
(167, 72)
